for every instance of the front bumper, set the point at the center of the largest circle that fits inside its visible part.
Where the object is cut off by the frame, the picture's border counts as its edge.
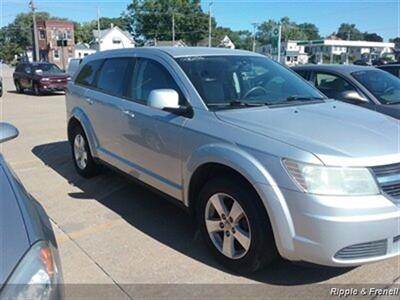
(339, 231)
(53, 87)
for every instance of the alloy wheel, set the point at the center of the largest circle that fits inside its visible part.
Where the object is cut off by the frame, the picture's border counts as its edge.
(228, 226)
(80, 153)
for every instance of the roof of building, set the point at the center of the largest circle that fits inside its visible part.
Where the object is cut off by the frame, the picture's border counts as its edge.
(346, 69)
(104, 32)
(82, 46)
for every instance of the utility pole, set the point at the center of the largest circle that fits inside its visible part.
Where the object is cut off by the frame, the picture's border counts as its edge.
(279, 42)
(209, 23)
(98, 28)
(173, 28)
(254, 35)
(35, 33)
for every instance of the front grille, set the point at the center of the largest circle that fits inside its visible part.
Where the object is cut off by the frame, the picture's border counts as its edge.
(364, 250)
(396, 239)
(389, 179)
(387, 170)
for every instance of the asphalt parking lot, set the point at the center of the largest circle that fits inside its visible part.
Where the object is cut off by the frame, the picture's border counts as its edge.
(113, 231)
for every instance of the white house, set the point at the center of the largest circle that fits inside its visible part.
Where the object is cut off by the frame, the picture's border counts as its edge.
(291, 53)
(82, 49)
(337, 50)
(112, 38)
(226, 42)
(156, 43)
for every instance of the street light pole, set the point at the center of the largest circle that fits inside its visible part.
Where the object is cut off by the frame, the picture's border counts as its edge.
(98, 28)
(254, 35)
(35, 36)
(209, 23)
(173, 28)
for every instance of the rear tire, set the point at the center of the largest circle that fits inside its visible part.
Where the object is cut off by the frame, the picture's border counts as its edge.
(84, 163)
(242, 244)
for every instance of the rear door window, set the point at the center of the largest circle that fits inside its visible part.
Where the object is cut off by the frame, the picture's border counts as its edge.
(87, 75)
(113, 75)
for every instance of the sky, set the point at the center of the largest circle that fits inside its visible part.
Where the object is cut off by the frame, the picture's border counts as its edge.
(380, 16)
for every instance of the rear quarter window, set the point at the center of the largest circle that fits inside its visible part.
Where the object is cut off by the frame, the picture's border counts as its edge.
(87, 75)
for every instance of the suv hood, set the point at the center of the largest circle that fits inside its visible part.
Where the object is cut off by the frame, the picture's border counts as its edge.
(339, 134)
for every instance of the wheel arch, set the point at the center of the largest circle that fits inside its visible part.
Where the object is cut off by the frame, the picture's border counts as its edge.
(214, 160)
(79, 118)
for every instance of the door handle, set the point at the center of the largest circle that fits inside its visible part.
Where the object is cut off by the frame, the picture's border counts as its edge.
(89, 101)
(128, 113)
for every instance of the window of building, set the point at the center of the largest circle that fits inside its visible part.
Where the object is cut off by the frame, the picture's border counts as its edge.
(56, 54)
(42, 34)
(69, 34)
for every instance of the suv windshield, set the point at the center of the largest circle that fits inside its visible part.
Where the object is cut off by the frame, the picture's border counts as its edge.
(384, 86)
(47, 69)
(241, 81)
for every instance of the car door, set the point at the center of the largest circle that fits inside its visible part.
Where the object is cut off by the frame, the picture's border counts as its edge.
(150, 137)
(104, 105)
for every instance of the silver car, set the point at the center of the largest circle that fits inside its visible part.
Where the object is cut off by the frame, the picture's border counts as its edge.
(264, 161)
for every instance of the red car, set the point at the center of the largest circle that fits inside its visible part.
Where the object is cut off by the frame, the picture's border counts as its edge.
(40, 77)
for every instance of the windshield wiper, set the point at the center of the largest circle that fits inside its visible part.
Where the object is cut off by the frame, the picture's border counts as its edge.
(302, 98)
(238, 103)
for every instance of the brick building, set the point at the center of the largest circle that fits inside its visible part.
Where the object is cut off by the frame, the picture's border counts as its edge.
(51, 33)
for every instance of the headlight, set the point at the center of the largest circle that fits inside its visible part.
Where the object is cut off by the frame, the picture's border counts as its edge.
(69, 78)
(339, 181)
(45, 79)
(36, 277)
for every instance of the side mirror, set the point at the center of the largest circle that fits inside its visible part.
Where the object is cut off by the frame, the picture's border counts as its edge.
(168, 100)
(7, 132)
(353, 96)
(163, 98)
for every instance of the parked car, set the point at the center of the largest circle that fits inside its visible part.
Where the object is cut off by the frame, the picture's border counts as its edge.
(265, 162)
(29, 265)
(393, 69)
(39, 77)
(73, 66)
(366, 87)
(362, 62)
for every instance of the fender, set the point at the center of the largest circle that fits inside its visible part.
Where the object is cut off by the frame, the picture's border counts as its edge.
(262, 181)
(81, 116)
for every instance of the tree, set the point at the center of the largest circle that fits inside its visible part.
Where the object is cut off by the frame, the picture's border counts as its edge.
(290, 31)
(150, 19)
(349, 32)
(372, 37)
(9, 50)
(310, 30)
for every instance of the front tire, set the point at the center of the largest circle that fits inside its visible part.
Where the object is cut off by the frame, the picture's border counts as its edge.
(84, 163)
(36, 89)
(18, 87)
(235, 225)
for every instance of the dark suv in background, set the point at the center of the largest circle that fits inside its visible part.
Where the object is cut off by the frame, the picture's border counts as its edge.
(368, 87)
(40, 77)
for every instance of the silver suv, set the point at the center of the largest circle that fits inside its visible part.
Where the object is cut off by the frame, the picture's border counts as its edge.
(267, 164)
